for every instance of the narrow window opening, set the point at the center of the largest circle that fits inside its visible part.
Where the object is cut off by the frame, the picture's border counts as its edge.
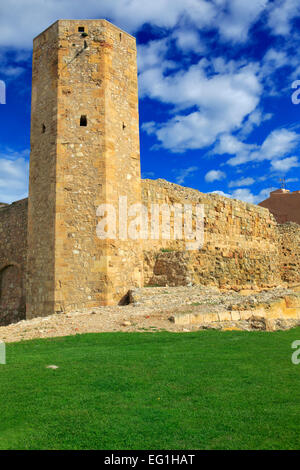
(124, 126)
(43, 129)
(120, 37)
(83, 121)
(81, 29)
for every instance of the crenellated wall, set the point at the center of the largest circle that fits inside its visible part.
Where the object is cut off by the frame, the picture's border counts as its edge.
(13, 253)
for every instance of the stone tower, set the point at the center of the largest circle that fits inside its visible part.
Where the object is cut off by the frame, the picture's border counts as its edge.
(84, 152)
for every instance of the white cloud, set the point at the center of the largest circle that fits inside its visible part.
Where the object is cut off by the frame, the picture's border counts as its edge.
(223, 101)
(12, 72)
(235, 22)
(194, 86)
(185, 173)
(21, 20)
(188, 40)
(240, 194)
(233, 146)
(285, 55)
(153, 55)
(282, 14)
(214, 175)
(241, 182)
(14, 168)
(279, 143)
(285, 164)
(149, 127)
(12, 63)
(254, 120)
(263, 194)
(275, 59)
(244, 194)
(221, 193)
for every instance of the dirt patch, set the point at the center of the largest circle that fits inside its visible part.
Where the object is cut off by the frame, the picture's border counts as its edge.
(151, 310)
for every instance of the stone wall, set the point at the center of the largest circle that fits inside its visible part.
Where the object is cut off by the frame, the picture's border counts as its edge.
(240, 242)
(13, 253)
(290, 252)
(243, 247)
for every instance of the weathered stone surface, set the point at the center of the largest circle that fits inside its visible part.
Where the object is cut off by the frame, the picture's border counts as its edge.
(289, 243)
(13, 251)
(257, 323)
(240, 248)
(292, 301)
(84, 153)
(253, 311)
(74, 168)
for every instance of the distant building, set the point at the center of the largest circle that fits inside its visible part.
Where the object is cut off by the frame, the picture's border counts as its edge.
(284, 205)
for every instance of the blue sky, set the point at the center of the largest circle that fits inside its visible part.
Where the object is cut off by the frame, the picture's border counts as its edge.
(215, 85)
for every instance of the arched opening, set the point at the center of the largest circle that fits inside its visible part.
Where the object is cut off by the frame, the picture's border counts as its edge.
(12, 305)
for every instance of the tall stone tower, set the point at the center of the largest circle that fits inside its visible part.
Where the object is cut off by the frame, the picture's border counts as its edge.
(84, 153)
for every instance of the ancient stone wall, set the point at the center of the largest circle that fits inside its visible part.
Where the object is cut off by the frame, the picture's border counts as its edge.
(242, 247)
(240, 242)
(290, 252)
(13, 253)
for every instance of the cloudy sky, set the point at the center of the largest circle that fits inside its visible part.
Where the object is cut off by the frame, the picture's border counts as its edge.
(217, 82)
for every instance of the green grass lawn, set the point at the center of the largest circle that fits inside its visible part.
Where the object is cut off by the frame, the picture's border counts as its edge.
(204, 390)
